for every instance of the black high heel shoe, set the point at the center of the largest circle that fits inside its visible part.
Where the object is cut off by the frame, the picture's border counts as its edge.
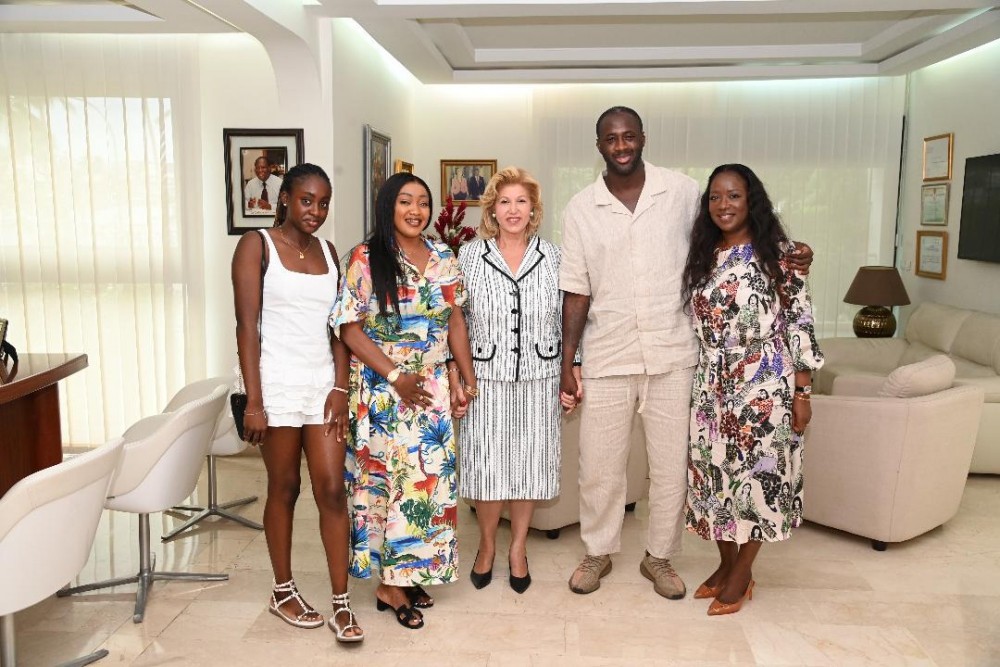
(520, 584)
(480, 580)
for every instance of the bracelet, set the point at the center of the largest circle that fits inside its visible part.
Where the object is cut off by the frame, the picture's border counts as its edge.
(340, 389)
(802, 397)
(806, 389)
(254, 414)
(393, 375)
(453, 370)
(471, 391)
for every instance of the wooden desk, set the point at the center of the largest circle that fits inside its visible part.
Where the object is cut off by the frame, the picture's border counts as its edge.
(30, 436)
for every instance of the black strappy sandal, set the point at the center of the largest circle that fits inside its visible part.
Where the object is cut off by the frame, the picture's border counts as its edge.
(418, 597)
(405, 614)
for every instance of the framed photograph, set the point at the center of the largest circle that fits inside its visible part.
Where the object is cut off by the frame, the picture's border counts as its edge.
(465, 180)
(932, 254)
(400, 167)
(937, 157)
(377, 158)
(256, 162)
(934, 204)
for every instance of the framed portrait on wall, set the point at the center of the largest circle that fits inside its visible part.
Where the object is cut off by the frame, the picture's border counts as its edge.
(934, 204)
(256, 162)
(377, 160)
(465, 180)
(402, 167)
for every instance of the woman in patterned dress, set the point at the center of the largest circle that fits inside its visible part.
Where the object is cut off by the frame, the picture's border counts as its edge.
(399, 311)
(745, 471)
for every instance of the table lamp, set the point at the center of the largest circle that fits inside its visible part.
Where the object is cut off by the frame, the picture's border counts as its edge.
(877, 288)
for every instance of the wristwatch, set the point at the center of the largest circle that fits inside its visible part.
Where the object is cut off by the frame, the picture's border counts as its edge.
(393, 375)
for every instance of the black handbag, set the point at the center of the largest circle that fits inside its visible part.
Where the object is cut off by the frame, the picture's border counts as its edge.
(238, 402)
(238, 399)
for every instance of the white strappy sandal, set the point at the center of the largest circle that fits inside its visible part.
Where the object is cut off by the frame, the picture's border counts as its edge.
(293, 593)
(344, 602)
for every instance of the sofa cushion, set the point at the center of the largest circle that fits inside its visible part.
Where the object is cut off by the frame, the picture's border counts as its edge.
(990, 385)
(920, 379)
(978, 340)
(917, 352)
(935, 325)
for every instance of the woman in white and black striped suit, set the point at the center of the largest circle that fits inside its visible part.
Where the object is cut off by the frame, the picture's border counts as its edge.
(509, 444)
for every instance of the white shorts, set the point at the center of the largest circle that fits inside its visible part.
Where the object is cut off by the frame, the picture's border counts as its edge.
(294, 419)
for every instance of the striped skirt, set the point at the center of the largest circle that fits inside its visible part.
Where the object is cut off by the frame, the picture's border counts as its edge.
(509, 443)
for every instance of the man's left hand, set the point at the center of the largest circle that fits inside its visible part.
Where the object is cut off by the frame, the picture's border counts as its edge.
(801, 259)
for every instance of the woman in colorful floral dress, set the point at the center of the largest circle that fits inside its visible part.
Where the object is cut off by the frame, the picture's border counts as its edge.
(399, 311)
(753, 317)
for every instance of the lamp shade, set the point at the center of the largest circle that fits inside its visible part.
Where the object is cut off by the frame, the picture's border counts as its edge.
(877, 286)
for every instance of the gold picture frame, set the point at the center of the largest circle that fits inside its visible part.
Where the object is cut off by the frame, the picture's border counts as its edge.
(401, 167)
(934, 201)
(932, 254)
(465, 180)
(938, 154)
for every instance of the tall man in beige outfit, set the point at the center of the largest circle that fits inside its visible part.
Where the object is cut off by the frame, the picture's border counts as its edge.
(625, 241)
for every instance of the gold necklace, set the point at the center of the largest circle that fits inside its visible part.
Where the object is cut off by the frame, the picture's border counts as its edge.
(301, 251)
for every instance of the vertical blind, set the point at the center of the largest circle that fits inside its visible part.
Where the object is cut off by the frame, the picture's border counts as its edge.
(91, 242)
(828, 152)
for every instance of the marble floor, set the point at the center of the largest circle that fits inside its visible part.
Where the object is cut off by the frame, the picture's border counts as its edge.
(822, 598)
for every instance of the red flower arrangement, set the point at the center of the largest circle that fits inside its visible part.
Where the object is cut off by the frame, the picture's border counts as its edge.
(449, 225)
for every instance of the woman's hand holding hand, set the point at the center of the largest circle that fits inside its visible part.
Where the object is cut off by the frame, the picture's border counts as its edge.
(410, 388)
(459, 400)
(570, 389)
(801, 415)
(255, 425)
(335, 415)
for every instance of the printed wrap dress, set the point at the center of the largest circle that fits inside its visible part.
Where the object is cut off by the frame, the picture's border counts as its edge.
(745, 466)
(400, 467)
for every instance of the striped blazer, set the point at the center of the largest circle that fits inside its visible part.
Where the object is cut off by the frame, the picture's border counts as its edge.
(514, 322)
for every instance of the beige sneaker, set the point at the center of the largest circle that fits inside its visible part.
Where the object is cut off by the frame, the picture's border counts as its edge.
(587, 576)
(664, 578)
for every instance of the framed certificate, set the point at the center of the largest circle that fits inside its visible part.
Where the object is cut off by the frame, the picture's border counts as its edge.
(932, 254)
(934, 204)
(937, 157)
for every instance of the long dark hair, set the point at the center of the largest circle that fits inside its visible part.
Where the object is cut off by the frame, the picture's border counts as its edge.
(383, 253)
(766, 234)
(293, 177)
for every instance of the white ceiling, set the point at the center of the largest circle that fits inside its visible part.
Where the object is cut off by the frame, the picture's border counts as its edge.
(446, 41)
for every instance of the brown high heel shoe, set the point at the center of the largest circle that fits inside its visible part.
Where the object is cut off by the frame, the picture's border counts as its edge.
(705, 591)
(720, 608)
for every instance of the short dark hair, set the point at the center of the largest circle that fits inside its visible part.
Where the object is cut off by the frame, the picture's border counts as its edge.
(616, 110)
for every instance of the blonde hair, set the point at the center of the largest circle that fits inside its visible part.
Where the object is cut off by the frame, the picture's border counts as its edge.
(488, 226)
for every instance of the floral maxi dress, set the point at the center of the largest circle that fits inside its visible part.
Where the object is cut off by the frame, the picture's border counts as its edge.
(400, 467)
(745, 465)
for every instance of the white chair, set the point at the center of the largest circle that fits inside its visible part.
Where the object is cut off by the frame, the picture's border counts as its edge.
(161, 461)
(47, 525)
(888, 459)
(225, 442)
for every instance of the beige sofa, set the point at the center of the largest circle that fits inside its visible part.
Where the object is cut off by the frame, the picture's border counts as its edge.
(969, 338)
(890, 467)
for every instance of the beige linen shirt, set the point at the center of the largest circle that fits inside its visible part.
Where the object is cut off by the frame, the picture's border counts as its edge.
(630, 266)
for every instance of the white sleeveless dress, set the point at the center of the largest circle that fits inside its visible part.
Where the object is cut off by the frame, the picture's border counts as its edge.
(296, 364)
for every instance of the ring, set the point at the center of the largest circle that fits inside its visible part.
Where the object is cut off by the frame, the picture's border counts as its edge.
(420, 383)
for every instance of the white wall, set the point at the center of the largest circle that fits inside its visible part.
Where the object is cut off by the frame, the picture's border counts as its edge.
(229, 66)
(369, 87)
(959, 95)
